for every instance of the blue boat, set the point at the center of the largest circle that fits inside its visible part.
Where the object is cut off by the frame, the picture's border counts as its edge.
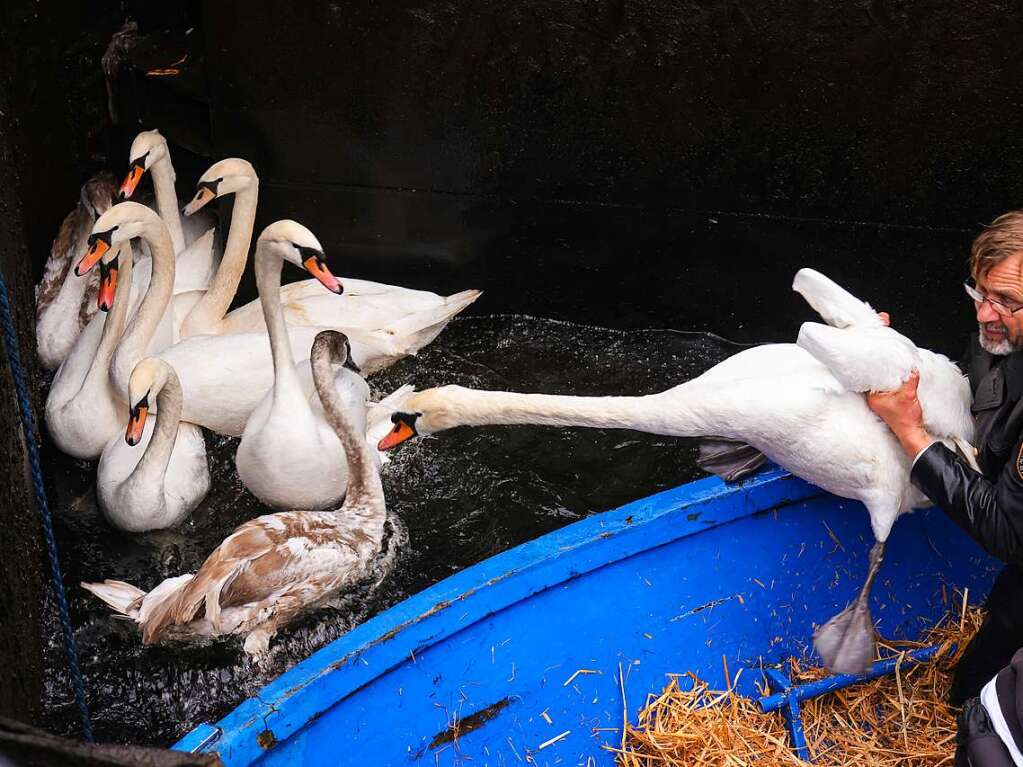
(539, 654)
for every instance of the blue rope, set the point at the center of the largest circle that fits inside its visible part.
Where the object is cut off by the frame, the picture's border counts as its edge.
(29, 427)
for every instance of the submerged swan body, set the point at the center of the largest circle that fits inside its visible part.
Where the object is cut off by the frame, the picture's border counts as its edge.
(787, 401)
(276, 567)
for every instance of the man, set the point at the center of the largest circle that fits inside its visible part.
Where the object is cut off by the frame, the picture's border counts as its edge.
(988, 506)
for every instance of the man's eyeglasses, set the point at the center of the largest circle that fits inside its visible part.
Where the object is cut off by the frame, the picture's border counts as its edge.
(1004, 309)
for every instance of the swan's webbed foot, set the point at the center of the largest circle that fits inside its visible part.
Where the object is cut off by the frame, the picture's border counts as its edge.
(846, 642)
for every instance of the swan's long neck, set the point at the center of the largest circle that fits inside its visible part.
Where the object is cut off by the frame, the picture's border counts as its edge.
(153, 466)
(167, 200)
(140, 332)
(211, 308)
(455, 406)
(268, 281)
(115, 321)
(364, 497)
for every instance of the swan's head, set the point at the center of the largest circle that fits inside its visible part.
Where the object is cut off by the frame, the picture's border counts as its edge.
(119, 224)
(331, 347)
(148, 148)
(294, 243)
(146, 382)
(420, 414)
(224, 177)
(98, 193)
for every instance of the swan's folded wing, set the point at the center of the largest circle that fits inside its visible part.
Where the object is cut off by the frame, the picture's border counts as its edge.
(861, 359)
(729, 459)
(836, 305)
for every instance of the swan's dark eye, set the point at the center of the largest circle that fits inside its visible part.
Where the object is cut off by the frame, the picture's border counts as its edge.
(140, 162)
(307, 253)
(210, 186)
(106, 237)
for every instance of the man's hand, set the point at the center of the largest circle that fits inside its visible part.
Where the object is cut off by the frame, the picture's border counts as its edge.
(885, 318)
(900, 409)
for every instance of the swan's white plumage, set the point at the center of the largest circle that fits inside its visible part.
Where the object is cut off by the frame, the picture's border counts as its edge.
(156, 483)
(273, 568)
(289, 456)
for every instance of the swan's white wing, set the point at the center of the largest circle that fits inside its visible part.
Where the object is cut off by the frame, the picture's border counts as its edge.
(861, 359)
(836, 305)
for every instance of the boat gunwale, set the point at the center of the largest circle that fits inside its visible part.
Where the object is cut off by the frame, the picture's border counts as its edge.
(423, 620)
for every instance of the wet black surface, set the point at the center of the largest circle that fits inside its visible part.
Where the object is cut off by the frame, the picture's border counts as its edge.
(456, 499)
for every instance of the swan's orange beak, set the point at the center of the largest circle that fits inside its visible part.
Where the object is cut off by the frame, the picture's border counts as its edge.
(400, 433)
(107, 286)
(136, 423)
(95, 252)
(203, 196)
(131, 181)
(315, 266)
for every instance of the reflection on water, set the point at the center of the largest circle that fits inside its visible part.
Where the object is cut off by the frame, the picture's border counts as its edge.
(455, 499)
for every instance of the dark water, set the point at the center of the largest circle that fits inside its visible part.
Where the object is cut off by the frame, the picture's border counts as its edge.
(456, 499)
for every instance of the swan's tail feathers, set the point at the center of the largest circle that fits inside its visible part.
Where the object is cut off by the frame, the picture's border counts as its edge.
(836, 305)
(864, 361)
(121, 597)
(729, 459)
(187, 601)
(416, 330)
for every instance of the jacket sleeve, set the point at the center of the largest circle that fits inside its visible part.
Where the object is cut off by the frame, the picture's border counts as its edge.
(990, 512)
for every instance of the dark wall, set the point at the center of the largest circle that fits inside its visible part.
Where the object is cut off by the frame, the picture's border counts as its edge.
(559, 154)
(629, 163)
(23, 580)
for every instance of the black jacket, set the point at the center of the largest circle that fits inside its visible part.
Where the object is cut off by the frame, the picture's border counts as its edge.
(988, 506)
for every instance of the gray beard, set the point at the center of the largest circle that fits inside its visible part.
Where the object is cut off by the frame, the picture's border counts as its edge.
(998, 348)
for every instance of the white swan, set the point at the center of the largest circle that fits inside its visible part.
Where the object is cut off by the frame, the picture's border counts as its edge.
(289, 456)
(276, 567)
(777, 398)
(65, 302)
(393, 320)
(83, 410)
(153, 476)
(195, 266)
(223, 378)
(864, 355)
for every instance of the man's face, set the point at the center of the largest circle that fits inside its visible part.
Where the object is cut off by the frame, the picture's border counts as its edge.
(1001, 334)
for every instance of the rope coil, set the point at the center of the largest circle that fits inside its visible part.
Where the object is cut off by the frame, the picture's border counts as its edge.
(28, 426)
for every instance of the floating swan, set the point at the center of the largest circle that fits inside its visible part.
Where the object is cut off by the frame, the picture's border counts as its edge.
(65, 302)
(289, 456)
(195, 266)
(222, 378)
(276, 567)
(396, 321)
(781, 400)
(154, 476)
(82, 411)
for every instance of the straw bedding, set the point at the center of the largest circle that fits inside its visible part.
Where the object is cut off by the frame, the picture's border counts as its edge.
(900, 719)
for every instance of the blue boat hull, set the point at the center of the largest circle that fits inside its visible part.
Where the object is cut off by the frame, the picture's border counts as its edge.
(554, 629)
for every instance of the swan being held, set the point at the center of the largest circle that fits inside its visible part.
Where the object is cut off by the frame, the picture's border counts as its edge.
(276, 567)
(802, 406)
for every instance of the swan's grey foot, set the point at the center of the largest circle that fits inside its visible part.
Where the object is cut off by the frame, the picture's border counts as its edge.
(729, 459)
(846, 642)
